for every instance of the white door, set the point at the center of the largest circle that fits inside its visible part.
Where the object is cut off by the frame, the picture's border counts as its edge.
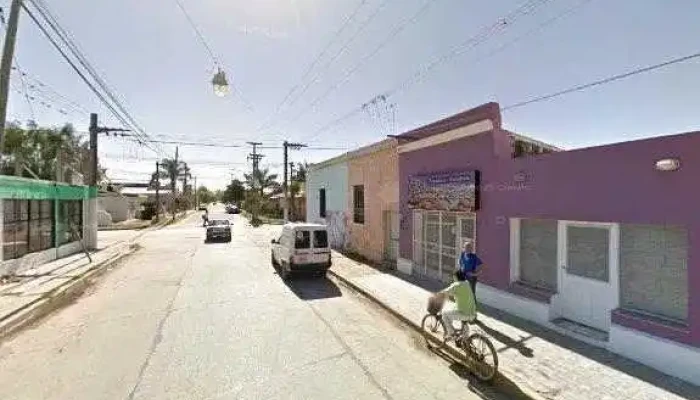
(588, 272)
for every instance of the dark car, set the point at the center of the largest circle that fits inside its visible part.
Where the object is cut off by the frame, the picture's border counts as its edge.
(232, 209)
(218, 229)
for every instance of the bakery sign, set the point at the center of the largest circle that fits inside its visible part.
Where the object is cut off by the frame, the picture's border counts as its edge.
(446, 191)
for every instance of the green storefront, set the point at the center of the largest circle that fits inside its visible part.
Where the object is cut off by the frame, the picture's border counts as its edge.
(40, 215)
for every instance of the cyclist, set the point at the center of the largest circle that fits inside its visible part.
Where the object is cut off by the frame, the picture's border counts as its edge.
(465, 307)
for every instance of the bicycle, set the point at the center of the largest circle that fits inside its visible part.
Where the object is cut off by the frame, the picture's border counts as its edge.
(478, 349)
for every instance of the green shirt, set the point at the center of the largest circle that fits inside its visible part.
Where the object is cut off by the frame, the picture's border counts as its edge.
(464, 298)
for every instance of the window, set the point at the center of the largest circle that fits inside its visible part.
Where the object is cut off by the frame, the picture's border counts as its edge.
(16, 228)
(71, 220)
(538, 253)
(40, 225)
(322, 203)
(437, 241)
(358, 204)
(302, 240)
(654, 270)
(320, 239)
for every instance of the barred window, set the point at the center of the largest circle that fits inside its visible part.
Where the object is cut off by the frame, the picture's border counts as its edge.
(71, 220)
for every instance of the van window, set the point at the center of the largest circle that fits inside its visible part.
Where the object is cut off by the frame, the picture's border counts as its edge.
(320, 239)
(302, 240)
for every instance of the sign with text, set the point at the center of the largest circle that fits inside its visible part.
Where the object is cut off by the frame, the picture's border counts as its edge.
(446, 191)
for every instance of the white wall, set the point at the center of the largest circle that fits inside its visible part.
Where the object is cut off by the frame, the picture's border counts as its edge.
(333, 178)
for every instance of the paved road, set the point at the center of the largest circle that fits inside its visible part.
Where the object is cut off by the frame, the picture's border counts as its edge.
(181, 319)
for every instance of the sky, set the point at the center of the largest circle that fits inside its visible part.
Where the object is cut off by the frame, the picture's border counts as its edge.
(151, 57)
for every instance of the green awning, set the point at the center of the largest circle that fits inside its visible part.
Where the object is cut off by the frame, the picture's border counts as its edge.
(13, 187)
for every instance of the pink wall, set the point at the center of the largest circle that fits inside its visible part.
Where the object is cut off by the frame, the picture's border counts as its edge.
(614, 183)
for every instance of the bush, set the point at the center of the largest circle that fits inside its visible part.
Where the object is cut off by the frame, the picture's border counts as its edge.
(148, 210)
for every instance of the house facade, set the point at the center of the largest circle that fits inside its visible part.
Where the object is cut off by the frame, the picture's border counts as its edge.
(41, 221)
(372, 201)
(326, 197)
(602, 240)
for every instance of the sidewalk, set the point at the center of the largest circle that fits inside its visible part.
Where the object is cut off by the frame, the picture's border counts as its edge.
(539, 362)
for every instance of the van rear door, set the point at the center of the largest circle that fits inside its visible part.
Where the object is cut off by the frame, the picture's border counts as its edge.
(321, 250)
(302, 253)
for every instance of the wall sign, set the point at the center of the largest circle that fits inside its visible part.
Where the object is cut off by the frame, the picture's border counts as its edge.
(447, 191)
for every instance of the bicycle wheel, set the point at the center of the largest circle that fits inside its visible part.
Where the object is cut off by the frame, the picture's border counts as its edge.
(482, 355)
(433, 330)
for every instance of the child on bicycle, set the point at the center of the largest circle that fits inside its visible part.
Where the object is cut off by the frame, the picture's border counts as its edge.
(465, 309)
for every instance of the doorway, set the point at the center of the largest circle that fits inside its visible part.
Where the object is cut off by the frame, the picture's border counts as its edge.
(588, 278)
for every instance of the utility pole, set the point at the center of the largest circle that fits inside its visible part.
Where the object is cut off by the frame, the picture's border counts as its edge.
(173, 184)
(93, 149)
(196, 198)
(8, 54)
(255, 158)
(95, 130)
(157, 191)
(294, 146)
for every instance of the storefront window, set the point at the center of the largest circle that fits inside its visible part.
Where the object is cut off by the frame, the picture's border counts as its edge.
(40, 225)
(71, 220)
(437, 237)
(15, 228)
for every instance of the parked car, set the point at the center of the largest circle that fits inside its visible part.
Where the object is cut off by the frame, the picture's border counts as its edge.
(232, 209)
(301, 248)
(218, 229)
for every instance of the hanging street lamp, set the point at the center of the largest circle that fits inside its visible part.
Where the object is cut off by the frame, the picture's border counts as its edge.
(221, 87)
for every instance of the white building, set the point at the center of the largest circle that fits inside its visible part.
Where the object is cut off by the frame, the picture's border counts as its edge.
(327, 197)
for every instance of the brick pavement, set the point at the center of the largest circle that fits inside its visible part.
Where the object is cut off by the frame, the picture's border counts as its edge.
(541, 362)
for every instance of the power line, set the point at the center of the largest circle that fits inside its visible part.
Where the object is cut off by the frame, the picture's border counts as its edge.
(339, 53)
(484, 34)
(602, 81)
(349, 73)
(311, 66)
(67, 39)
(198, 32)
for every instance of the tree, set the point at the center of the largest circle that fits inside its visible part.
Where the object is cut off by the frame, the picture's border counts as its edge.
(44, 151)
(171, 170)
(205, 196)
(234, 193)
(262, 180)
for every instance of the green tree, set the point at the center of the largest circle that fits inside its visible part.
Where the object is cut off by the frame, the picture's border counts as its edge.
(171, 170)
(234, 193)
(45, 151)
(263, 180)
(205, 196)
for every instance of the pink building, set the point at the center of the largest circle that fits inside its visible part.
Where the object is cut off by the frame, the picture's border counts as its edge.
(373, 197)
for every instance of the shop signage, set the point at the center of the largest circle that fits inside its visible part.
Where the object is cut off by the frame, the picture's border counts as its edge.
(447, 191)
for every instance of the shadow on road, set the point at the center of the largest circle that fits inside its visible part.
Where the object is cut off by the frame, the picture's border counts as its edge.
(501, 388)
(313, 288)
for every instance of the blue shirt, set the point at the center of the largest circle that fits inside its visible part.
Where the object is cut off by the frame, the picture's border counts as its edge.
(469, 262)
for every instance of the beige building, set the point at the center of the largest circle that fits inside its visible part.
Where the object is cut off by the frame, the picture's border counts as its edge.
(373, 197)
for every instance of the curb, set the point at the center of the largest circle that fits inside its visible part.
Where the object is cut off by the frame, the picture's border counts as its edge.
(498, 382)
(58, 297)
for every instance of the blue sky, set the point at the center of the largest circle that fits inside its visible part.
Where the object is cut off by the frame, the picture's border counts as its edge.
(151, 57)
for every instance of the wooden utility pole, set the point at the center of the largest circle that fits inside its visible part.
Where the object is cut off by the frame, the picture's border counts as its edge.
(94, 130)
(8, 54)
(157, 191)
(294, 146)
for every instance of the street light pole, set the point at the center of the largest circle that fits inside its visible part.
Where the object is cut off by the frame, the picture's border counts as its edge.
(8, 54)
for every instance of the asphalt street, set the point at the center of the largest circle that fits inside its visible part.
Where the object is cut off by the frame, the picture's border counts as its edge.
(181, 319)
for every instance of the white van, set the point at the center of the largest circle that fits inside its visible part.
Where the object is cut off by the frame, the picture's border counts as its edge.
(302, 247)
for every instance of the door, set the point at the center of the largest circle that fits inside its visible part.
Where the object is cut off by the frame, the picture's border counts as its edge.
(391, 236)
(302, 253)
(588, 272)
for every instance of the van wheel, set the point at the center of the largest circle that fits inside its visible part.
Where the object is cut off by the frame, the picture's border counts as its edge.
(273, 261)
(284, 273)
